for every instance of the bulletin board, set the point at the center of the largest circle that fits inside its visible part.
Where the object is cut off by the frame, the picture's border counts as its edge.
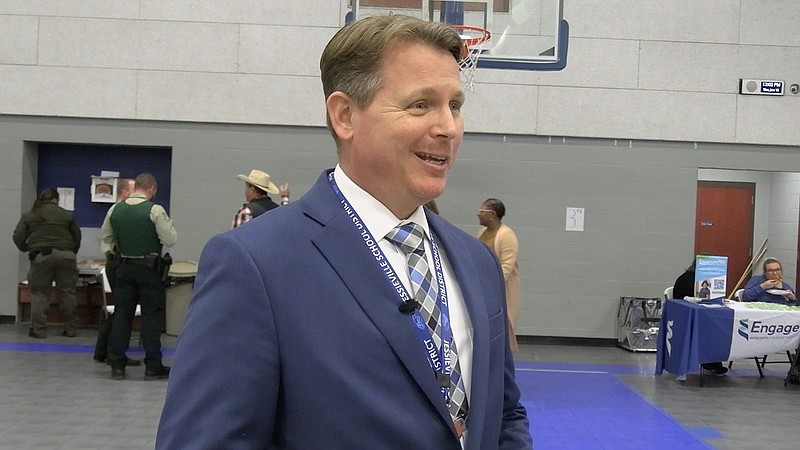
(73, 165)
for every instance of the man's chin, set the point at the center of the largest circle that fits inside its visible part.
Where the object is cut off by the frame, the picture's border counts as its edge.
(432, 189)
(428, 197)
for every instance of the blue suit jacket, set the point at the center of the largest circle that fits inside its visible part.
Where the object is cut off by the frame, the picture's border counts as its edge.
(294, 340)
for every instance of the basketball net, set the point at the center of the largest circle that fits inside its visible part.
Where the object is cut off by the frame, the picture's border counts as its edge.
(474, 38)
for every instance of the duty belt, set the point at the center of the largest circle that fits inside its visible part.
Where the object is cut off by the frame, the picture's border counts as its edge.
(138, 260)
(145, 260)
(44, 251)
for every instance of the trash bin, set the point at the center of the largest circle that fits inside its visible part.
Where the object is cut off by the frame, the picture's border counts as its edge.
(179, 292)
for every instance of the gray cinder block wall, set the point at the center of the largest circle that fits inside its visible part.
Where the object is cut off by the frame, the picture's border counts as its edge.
(647, 105)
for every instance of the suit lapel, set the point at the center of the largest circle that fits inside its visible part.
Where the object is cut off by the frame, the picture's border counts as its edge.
(342, 246)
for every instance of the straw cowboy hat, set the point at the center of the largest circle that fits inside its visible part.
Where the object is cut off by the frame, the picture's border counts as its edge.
(260, 180)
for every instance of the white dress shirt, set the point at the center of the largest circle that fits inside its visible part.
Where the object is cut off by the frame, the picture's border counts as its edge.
(379, 220)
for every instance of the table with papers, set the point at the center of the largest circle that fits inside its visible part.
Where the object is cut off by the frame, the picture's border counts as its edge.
(696, 333)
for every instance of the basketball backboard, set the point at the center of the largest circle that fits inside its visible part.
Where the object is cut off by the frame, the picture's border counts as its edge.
(526, 34)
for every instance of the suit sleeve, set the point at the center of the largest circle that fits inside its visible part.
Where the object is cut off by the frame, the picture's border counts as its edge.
(224, 385)
(515, 430)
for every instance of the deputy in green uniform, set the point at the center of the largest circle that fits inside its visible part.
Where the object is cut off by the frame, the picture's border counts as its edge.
(52, 237)
(138, 228)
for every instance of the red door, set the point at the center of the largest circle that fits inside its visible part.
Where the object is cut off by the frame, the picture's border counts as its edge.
(724, 225)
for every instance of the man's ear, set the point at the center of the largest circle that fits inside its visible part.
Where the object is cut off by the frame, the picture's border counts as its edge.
(340, 113)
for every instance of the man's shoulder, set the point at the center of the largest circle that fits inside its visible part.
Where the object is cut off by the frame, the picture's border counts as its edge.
(284, 220)
(261, 205)
(265, 200)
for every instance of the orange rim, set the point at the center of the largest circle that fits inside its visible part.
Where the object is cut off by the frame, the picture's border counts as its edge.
(484, 34)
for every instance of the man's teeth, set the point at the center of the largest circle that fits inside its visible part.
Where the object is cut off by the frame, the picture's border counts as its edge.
(431, 158)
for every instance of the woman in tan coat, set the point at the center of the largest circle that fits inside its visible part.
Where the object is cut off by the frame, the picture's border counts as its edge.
(502, 239)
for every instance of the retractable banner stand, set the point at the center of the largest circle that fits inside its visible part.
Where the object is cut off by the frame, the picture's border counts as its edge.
(763, 328)
(711, 273)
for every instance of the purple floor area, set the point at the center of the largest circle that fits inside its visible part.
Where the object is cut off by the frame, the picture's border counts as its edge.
(574, 409)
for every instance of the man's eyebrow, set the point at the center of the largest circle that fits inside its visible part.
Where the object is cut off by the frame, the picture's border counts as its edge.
(429, 91)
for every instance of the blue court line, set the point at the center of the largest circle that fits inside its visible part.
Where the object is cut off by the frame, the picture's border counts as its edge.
(44, 348)
(39, 347)
(571, 409)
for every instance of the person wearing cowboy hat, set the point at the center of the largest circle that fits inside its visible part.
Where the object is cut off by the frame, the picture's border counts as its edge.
(257, 186)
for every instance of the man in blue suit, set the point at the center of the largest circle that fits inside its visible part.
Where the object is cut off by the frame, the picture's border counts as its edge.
(306, 330)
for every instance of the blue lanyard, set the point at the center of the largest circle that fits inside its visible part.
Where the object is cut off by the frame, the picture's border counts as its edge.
(438, 358)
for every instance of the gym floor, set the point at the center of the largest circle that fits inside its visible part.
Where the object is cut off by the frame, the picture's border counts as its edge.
(54, 396)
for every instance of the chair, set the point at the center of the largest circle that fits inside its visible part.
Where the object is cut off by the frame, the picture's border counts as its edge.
(668, 293)
(760, 363)
(107, 309)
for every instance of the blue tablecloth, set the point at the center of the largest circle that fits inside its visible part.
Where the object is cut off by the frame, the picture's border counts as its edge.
(684, 327)
(691, 334)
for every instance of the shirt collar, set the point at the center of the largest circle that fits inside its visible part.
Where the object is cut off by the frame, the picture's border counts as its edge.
(375, 215)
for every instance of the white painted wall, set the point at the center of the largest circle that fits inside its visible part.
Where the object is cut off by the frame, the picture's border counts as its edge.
(657, 69)
(648, 104)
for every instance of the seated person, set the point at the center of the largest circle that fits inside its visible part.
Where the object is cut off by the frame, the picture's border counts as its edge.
(684, 287)
(757, 288)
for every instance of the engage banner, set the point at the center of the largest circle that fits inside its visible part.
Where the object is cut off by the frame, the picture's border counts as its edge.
(763, 328)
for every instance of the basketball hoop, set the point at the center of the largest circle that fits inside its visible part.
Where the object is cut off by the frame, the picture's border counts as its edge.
(473, 38)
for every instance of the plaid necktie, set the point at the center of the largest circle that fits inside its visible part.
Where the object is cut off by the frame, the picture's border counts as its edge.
(409, 238)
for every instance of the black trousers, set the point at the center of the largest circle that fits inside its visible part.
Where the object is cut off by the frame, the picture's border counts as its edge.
(103, 335)
(136, 283)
